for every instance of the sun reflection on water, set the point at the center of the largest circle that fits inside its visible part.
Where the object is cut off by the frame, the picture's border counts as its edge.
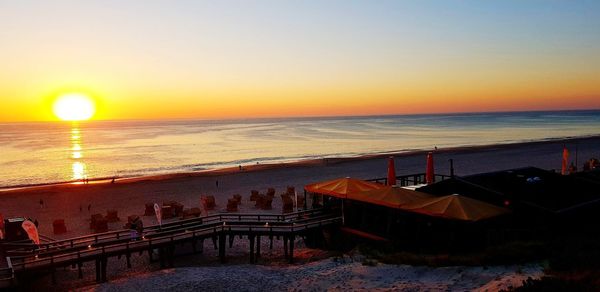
(78, 166)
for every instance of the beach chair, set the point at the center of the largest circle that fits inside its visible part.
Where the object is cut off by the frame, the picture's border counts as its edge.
(101, 225)
(94, 219)
(208, 202)
(149, 211)
(259, 201)
(288, 204)
(253, 195)
(166, 212)
(232, 205)
(290, 190)
(266, 203)
(112, 216)
(177, 209)
(59, 226)
(271, 192)
(238, 198)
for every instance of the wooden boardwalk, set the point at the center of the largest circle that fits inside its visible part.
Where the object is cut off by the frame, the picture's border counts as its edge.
(25, 259)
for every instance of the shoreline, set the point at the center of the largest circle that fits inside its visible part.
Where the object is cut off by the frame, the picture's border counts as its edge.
(291, 164)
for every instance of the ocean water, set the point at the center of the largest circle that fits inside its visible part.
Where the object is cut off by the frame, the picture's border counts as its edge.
(38, 153)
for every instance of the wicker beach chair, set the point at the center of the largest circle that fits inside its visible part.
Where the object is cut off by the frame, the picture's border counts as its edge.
(232, 205)
(59, 226)
(112, 216)
(288, 204)
(238, 198)
(208, 202)
(149, 211)
(253, 195)
(266, 203)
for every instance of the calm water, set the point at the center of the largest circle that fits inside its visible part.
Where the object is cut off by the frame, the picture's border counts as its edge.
(34, 153)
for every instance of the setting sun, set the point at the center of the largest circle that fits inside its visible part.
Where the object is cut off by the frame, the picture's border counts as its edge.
(74, 107)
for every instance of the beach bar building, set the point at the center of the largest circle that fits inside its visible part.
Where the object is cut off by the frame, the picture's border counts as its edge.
(389, 213)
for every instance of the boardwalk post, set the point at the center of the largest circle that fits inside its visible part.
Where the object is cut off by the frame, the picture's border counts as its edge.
(251, 239)
(222, 247)
(161, 257)
(79, 270)
(231, 238)
(285, 246)
(170, 254)
(98, 271)
(103, 264)
(202, 246)
(292, 239)
(257, 246)
(53, 272)
(128, 257)
(194, 248)
(270, 241)
(214, 239)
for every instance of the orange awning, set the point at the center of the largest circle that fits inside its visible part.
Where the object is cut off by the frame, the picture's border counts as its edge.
(389, 196)
(341, 187)
(456, 207)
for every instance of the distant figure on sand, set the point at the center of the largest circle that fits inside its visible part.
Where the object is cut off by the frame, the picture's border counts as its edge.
(41, 203)
(240, 167)
(112, 181)
(217, 183)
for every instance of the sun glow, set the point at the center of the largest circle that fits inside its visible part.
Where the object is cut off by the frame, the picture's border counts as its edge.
(74, 107)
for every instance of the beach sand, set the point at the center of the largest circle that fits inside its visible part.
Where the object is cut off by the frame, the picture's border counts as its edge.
(128, 196)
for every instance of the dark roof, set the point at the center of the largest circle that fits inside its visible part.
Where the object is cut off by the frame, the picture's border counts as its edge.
(538, 187)
(530, 186)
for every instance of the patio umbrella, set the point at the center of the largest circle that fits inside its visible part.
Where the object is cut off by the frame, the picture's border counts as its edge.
(429, 172)
(341, 187)
(389, 196)
(456, 207)
(391, 175)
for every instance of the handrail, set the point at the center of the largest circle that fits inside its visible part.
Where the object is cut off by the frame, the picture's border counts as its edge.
(86, 239)
(148, 242)
(50, 252)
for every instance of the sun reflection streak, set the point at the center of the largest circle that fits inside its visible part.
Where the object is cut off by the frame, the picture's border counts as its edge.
(78, 167)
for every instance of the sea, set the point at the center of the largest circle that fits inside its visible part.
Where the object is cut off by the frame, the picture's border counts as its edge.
(53, 152)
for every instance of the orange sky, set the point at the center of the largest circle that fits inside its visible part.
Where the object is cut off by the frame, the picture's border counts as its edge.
(143, 60)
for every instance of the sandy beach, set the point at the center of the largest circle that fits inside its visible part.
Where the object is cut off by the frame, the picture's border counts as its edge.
(128, 197)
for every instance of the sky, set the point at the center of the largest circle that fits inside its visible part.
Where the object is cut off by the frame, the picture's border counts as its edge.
(240, 59)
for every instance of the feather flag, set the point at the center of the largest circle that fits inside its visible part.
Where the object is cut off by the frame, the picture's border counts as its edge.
(32, 231)
(158, 214)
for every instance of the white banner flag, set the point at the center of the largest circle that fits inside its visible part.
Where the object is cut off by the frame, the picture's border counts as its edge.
(31, 230)
(158, 214)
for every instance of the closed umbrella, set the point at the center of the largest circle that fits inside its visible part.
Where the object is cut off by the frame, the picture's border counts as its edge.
(565, 160)
(391, 174)
(429, 172)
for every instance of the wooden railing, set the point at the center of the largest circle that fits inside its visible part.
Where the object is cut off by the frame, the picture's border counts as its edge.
(411, 179)
(84, 241)
(168, 239)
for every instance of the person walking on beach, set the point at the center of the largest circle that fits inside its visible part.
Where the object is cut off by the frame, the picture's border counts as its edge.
(41, 203)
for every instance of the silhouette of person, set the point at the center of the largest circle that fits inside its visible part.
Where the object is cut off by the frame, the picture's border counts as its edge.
(41, 203)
